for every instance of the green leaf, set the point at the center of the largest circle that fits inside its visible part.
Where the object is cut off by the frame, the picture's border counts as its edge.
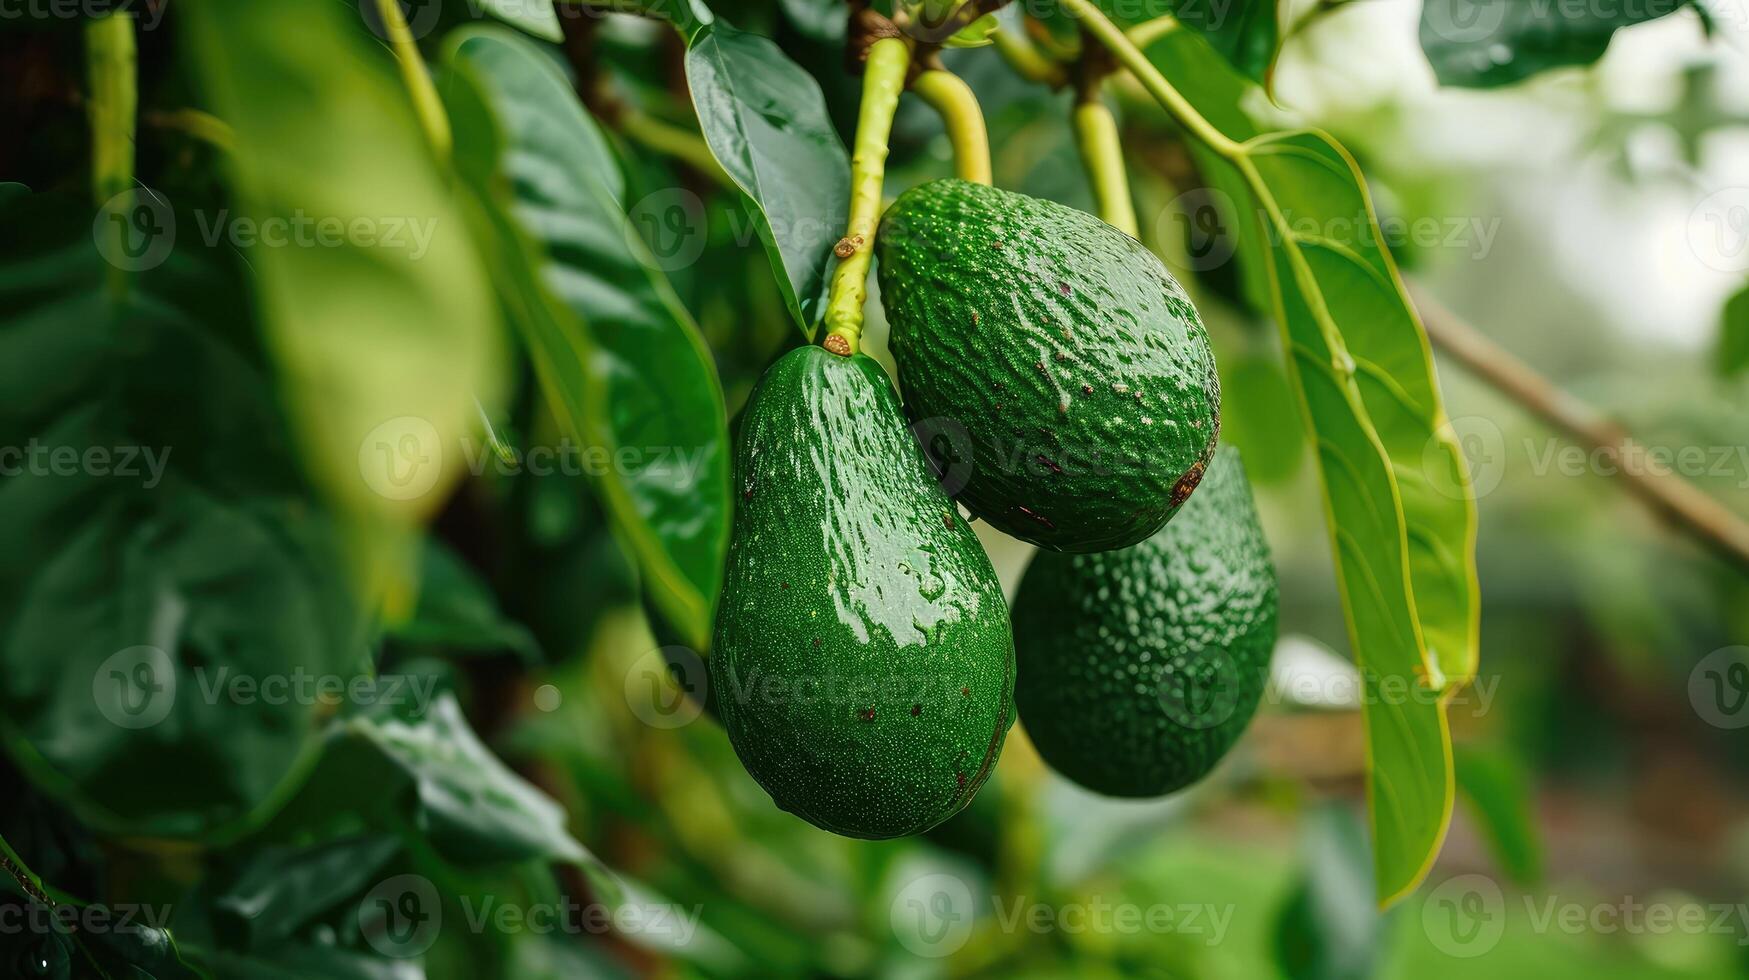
(161, 547)
(281, 889)
(1329, 929)
(1733, 350)
(620, 359)
(457, 610)
(1487, 43)
(1245, 33)
(298, 961)
(536, 17)
(1398, 502)
(1498, 788)
(384, 331)
(766, 122)
(467, 804)
(686, 15)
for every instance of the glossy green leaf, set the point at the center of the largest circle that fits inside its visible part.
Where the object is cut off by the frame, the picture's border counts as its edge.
(1398, 501)
(161, 546)
(766, 122)
(368, 285)
(475, 810)
(1733, 347)
(1485, 43)
(1494, 781)
(620, 359)
(282, 889)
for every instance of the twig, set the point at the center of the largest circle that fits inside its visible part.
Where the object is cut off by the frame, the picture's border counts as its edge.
(1667, 494)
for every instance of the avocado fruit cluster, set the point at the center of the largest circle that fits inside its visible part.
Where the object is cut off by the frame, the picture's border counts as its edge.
(864, 662)
(1053, 360)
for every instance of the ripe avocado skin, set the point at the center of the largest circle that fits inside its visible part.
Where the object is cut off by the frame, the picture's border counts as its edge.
(863, 663)
(1069, 356)
(1106, 643)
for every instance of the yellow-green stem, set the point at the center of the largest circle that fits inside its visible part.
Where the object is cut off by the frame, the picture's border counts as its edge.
(111, 75)
(952, 98)
(675, 141)
(1094, 22)
(883, 79)
(1102, 153)
(1025, 57)
(426, 104)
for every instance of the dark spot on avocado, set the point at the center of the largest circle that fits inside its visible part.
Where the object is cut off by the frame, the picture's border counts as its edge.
(1051, 463)
(1042, 519)
(916, 710)
(866, 714)
(1186, 483)
(961, 776)
(1086, 389)
(783, 585)
(966, 692)
(1063, 287)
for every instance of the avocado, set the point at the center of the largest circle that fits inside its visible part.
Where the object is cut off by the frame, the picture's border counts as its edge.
(863, 663)
(1060, 376)
(1139, 668)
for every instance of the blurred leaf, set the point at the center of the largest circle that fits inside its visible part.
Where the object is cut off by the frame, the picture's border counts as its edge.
(621, 361)
(457, 610)
(1486, 43)
(160, 546)
(305, 962)
(1259, 414)
(377, 311)
(1246, 33)
(1495, 782)
(281, 889)
(1733, 355)
(818, 20)
(1329, 929)
(765, 120)
(536, 17)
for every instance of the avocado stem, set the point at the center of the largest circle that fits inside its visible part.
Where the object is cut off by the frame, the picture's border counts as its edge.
(953, 100)
(889, 60)
(111, 111)
(426, 104)
(1094, 22)
(1102, 154)
(1025, 57)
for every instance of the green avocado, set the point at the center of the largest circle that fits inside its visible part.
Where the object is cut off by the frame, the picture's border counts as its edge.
(863, 663)
(1139, 668)
(1059, 375)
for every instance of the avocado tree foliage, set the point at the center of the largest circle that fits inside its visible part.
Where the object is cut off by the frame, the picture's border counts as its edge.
(487, 268)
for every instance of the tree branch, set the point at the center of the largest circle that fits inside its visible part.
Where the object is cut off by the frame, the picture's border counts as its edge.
(1670, 496)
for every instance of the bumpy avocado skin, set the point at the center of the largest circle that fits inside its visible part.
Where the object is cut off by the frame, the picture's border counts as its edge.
(1139, 668)
(1057, 353)
(863, 663)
